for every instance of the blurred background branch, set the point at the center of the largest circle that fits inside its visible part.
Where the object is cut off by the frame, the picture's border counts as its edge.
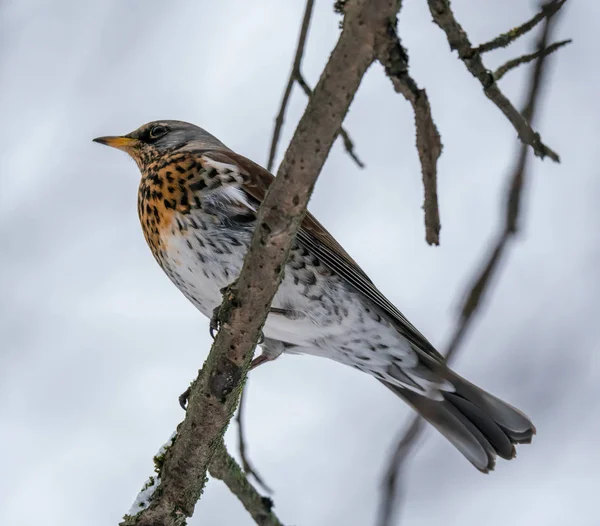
(476, 293)
(249, 469)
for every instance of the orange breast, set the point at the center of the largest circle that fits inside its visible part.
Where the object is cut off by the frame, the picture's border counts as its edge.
(170, 189)
(164, 192)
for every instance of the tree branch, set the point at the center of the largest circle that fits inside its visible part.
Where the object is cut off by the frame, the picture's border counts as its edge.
(479, 286)
(458, 40)
(225, 468)
(394, 59)
(215, 393)
(506, 39)
(524, 59)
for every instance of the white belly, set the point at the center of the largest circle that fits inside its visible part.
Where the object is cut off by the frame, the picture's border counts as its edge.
(325, 317)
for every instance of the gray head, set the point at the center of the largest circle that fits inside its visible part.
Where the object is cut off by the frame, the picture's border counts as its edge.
(157, 138)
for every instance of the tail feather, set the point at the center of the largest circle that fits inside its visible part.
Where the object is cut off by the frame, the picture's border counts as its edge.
(477, 423)
(493, 433)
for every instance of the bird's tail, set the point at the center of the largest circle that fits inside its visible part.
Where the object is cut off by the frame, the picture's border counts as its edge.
(477, 423)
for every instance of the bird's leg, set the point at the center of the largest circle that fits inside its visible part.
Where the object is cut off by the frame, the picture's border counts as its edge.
(214, 324)
(261, 338)
(271, 349)
(215, 320)
(259, 360)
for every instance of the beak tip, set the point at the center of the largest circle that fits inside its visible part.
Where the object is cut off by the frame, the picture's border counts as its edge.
(121, 143)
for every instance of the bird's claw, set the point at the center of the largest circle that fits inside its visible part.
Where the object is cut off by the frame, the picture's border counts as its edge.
(261, 338)
(184, 397)
(214, 324)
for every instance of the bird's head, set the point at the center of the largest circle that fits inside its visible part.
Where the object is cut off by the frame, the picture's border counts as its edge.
(155, 139)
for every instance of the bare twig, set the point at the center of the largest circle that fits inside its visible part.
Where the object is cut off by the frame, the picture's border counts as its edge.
(458, 40)
(392, 479)
(524, 59)
(478, 288)
(349, 147)
(248, 468)
(429, 146)
(308, 10)
(506, 39)
(225, 468)
(215, 393)
(296, 76)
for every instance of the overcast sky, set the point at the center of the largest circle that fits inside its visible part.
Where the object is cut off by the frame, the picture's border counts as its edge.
(97, 343)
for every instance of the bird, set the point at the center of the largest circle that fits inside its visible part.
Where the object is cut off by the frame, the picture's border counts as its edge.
(197, 204)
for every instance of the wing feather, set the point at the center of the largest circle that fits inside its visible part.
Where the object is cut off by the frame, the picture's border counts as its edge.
(314, 237)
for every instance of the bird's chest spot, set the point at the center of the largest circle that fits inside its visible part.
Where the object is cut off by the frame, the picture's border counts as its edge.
(163, 195)
(201, 257)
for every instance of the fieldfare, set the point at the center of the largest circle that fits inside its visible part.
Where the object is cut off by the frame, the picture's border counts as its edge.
(197, 204)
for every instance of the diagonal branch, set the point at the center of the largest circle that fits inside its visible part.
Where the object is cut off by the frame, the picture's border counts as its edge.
(225, 468)
(505, 39)
(477, 290)
(215, 393)
(394, 59)
(524, 59)
(458, 40)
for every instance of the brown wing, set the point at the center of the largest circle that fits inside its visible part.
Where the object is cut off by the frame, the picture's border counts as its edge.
(322, 244)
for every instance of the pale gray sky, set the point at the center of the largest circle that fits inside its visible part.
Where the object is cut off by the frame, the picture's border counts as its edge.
(97, 344)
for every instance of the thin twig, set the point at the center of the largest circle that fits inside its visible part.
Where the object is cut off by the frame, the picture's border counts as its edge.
(524, 59)
(506, 39)
(225, 468)
(296, 76)
(477, 290)
(392, 479)
(308, 10)
(248, 468)
(215, 393)
(458, 40)
(394, 59)
(349, 147)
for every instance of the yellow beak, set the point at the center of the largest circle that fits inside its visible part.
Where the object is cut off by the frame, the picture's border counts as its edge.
(122, 143)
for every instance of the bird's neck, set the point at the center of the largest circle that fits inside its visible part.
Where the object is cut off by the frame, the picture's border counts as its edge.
(164, 193)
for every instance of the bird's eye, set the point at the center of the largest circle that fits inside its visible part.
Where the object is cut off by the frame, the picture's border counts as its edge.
(158, 131)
